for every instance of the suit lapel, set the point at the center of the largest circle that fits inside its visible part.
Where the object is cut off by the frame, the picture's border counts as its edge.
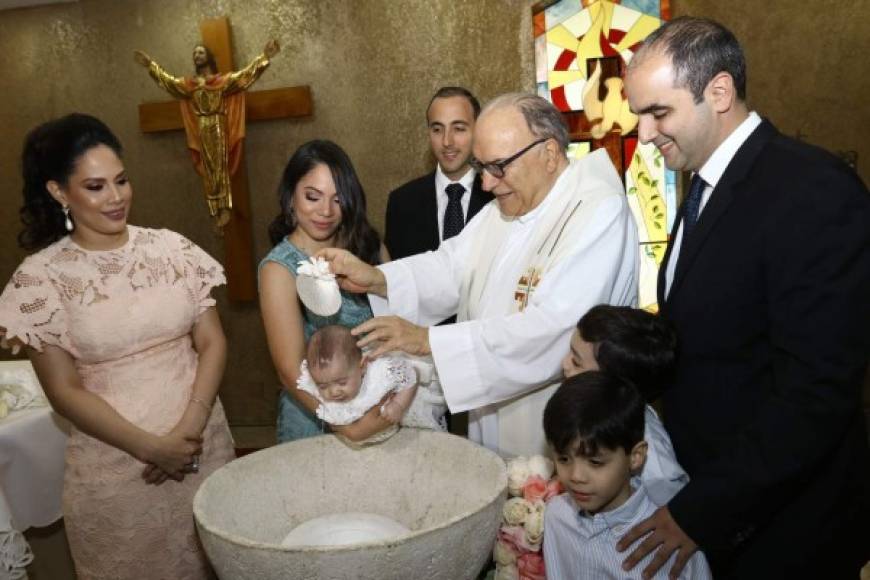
(720, 200)
(479, 198)
(663, 268)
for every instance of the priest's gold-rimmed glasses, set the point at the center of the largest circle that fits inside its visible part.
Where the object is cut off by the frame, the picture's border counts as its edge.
(496, 168)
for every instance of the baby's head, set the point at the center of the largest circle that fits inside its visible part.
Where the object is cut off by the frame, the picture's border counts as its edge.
(633, 344)
(594, 424)
(335, 363)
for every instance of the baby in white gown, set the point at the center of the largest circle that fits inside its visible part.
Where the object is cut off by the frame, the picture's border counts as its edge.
(347, 385)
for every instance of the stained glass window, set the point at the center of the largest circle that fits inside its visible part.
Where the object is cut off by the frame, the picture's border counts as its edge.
(581, 50)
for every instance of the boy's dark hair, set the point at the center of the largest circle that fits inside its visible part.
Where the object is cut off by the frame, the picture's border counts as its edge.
(332, 342)
(633, 344)
(600, 410)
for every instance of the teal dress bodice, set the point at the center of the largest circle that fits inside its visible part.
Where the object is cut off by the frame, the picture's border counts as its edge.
(294, 422)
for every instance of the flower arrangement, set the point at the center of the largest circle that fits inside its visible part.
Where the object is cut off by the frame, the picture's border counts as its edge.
(517, 551)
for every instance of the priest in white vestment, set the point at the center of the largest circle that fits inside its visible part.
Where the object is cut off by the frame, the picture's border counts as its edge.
(558, 239)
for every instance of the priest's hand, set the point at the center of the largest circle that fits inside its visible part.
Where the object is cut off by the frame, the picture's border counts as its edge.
(142, 58)
(389, 333)
(352, 274)
(664, 536)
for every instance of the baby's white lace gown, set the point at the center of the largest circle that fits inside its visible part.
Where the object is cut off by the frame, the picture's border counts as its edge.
(385, 375)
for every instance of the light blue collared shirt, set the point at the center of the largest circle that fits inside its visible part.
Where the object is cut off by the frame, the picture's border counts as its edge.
(579, 546)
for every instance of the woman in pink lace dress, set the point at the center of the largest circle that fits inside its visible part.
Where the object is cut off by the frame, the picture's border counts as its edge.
(118, 323)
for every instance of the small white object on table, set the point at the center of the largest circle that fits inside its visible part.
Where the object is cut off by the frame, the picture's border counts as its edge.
(32, 444)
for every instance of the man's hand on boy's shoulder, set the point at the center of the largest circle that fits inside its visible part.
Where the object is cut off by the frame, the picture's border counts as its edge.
(665, 536)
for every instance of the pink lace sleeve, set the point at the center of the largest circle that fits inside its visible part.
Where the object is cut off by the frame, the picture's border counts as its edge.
(31, 311)
(201, 271)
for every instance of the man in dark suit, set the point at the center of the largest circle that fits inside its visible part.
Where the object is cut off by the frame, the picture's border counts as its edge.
(427, 210)
(767, 281)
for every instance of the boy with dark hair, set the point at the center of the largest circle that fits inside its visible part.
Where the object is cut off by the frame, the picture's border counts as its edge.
(594, 424)
(639, 348)
(634, 344)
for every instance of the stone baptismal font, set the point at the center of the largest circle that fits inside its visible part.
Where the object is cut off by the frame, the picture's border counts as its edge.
(446, 491)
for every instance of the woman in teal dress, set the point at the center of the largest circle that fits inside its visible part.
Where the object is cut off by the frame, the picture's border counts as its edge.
(322, 205)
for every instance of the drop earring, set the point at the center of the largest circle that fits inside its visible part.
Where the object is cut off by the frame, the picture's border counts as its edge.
(67, 221)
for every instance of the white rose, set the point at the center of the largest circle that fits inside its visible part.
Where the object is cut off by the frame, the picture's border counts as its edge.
(509, 572)
(503, 555)
(540, 465)
(518, 473)
(534, 526)
(515, 511)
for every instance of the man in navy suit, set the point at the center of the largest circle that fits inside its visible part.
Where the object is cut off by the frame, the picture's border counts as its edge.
(427, 210)
(767, 281)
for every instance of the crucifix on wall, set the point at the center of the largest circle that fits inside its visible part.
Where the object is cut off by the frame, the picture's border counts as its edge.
(213, 110)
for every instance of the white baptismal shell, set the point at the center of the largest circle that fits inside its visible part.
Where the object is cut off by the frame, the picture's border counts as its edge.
(540, 465)
(518, 473)
(318, 292)
(515, 511)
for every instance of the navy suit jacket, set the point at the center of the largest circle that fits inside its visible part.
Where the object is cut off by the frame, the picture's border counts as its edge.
(771, 302)
(412, 216)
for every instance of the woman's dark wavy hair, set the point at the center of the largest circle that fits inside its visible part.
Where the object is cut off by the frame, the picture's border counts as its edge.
(354, 234)
(50, 153)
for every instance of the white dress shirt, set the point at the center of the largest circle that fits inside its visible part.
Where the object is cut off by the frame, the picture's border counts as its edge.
(662, 475)
(441, 183)
(711, 172)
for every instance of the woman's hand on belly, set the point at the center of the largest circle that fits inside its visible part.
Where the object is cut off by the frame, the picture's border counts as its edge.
(172, 452)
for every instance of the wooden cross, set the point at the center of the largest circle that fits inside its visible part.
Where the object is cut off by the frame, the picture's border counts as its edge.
(290, 102)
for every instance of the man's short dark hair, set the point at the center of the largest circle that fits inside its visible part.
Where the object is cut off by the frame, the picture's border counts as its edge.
(699, 49)
(634, 344)
(447, 92)
(598, 410)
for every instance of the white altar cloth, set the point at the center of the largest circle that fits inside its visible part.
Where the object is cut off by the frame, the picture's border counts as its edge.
(32, 444)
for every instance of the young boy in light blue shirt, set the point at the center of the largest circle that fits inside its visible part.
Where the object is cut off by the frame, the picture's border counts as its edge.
(594, 424)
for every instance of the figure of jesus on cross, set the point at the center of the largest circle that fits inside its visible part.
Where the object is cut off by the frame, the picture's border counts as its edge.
(213, 110)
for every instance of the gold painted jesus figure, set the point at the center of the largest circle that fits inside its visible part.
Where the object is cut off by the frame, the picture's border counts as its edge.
(213, 109)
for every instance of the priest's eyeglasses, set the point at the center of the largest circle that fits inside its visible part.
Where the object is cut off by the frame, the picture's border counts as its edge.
(496, 168)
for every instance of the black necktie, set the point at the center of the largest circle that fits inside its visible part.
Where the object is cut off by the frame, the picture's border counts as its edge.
(693, 204)
(453, 218)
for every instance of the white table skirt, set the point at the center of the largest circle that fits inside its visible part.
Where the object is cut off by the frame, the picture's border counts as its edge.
(32, 444)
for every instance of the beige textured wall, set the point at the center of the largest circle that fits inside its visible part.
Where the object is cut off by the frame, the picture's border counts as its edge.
(372, 65)
(807, 66)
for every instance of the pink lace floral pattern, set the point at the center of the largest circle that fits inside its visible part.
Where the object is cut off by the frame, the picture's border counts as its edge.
(125, 316)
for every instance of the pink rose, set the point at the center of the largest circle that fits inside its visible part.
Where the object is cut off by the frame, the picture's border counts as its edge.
(531, 567)
(535, 488)
(554, 488)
